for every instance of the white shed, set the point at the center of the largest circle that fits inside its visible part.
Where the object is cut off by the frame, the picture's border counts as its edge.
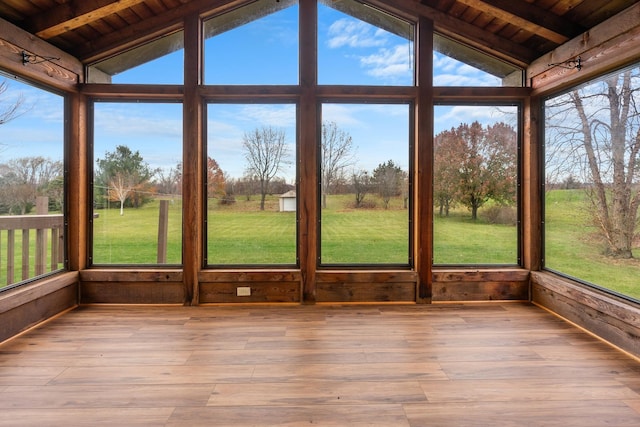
(288, 201)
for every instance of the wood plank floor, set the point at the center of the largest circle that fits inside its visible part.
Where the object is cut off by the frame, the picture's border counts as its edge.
(509, 364)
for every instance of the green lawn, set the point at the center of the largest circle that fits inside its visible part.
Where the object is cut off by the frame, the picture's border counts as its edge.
(241, 234)
(573, 247)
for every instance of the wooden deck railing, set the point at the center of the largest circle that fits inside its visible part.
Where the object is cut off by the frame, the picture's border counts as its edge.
(46, 250)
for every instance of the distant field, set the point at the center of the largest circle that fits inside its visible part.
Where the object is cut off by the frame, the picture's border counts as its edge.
(241, 234)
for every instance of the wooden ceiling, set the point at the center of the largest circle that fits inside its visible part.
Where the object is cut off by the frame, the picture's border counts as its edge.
(516, 30)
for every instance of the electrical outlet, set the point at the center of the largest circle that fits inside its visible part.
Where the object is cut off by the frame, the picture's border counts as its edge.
(243, 291)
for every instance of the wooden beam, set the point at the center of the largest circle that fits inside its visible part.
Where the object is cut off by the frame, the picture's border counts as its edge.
(423, 164)
(462, 31)
(148, 29)
(608, 45)
(63, 72)
(529, 17)
(74, 14)
(308, 152)
(193, 161)
(77, 181)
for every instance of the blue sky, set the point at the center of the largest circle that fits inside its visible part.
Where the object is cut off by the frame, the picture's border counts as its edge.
(264, 51)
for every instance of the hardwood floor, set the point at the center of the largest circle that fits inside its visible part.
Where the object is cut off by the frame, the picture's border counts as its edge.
(495, 364)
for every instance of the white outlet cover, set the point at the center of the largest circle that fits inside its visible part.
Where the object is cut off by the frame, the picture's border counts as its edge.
(243, 291)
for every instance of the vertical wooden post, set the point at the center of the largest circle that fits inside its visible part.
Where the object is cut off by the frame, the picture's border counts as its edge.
(42, 208)
(163, 229)
(77, 205)
(308, 151)
(11, 256)
(531, 203)
(25, 253)
(192, 159)
(423, 188)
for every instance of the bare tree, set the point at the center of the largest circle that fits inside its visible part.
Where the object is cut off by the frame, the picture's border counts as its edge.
(24, 178)
(361, 185)
(594, 132)
(12, 110)
(337, 154)
(266, 153)
(169, 181)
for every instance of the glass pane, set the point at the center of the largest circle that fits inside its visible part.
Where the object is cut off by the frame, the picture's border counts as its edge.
(455, 64)
(365, 184)
(475, 181)
(592, 143)
(255, 44)
(31, 182)
(158, 62)
(251, 184)
(137, 183)
(360, 45)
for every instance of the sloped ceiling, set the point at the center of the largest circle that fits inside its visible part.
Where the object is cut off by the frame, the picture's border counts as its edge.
(518, 31)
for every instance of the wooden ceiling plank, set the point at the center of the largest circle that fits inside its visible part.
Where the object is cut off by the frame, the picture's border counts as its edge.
(10, 13)
(462, 31)
(530, 17)
(75, 14)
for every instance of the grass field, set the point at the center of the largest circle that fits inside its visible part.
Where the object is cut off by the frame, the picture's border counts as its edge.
(572, 246)
(241, 234)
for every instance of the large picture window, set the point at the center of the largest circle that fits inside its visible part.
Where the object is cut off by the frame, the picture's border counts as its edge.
(365, 180)
(137, 183)
(251, 184)
(32, 183)
(475, 182)
(255, 44)
(361, 45)
(592, 172)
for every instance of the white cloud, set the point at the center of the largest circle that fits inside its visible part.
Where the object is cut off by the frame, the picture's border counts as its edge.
(451, 72)
(389, 64)
(355, 34)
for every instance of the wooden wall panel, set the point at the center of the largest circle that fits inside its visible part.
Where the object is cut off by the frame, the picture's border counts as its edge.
(24, 307)
(272, 292)
(481, 285)
(132, 287)
(366, 292)
(220, 286)
(613, 319)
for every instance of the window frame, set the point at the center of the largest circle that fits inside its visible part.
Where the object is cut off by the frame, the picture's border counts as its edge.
(599, 78)
(506, 102)
(133, 99)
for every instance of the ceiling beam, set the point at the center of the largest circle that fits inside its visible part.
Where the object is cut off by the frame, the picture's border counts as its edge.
(75, 14)
(529, 17)
(462, 31)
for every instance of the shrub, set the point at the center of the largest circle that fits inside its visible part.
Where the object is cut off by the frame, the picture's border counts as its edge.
(506, 215)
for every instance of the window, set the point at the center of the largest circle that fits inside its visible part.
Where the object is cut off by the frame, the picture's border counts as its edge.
(158, 62)
(365, 181)
(137, 183)
(360, 45)
(251, 184)
(255, 44)
(475, 181)
(455, 64)
(31, 182)
(592, 170)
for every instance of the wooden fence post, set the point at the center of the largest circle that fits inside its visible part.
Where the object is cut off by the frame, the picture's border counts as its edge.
(163, 231)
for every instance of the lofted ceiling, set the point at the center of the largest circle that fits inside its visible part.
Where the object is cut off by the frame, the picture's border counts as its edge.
(518, 31)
